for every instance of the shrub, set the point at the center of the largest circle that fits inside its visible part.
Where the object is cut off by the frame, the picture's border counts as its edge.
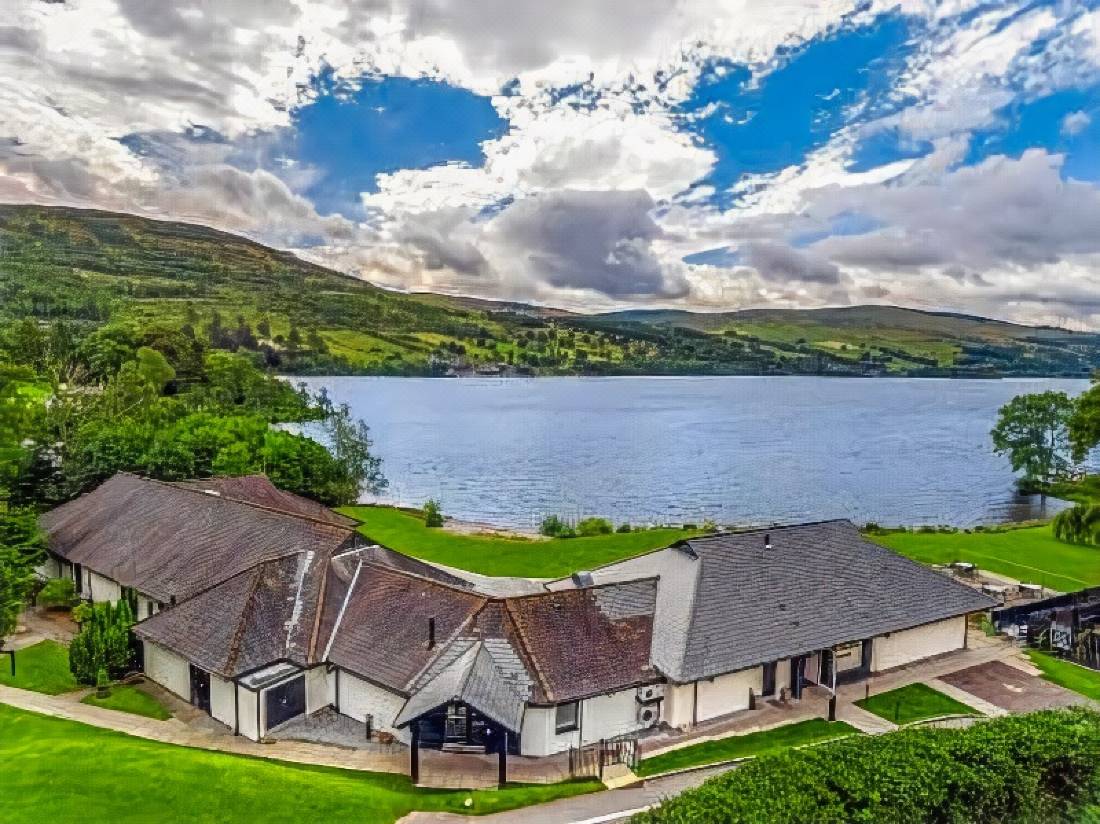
(623, 528)
(82, 612)
(594, 526)
(58, 592)
(1039, 767)
(1078, 525)
(433, 515)
(104, 642)
(554, 527)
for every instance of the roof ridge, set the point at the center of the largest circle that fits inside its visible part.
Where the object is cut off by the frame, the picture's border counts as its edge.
(605, 585)
(322, 591)
(756, 529)
(240, 501)
(238, 633)
(523, 642)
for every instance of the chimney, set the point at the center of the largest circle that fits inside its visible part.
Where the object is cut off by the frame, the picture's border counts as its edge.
(767, 540)
(431, 632)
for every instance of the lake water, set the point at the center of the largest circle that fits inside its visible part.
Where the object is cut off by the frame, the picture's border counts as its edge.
(669, 450)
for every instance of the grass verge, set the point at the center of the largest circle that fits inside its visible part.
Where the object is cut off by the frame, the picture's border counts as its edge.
(493, 555)
(43, 667)
(914, 702)
(73, 772)
(1029, 554)
(1064, 674)
(131, 700)
(740, 746)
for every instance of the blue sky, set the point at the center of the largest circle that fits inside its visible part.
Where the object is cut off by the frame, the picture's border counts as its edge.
(592, 155)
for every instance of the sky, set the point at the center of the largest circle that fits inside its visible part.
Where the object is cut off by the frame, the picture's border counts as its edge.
(591, 154)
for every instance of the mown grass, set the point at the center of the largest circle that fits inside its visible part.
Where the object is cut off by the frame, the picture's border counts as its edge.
(131, 700)
(493, 555)
(65, 771)
(740, 746)
(1064, 674)
(914, 702)
(43, 667)
(1029, 554)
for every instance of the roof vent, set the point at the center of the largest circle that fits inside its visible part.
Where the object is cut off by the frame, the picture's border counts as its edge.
(583, 578)
(431, 632)
(767, 540)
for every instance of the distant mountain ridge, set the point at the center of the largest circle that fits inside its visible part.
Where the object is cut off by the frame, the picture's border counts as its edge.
(93, 268)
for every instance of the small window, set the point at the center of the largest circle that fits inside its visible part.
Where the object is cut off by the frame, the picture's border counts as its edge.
(565, 719)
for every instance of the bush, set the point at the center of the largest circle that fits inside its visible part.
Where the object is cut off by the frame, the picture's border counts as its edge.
(104, 642)
(554, 527)
(433, 515)
(82, 612)
(1078, 525)
(623, 528)
(58, 592)
(594, 526)
(1039, 767)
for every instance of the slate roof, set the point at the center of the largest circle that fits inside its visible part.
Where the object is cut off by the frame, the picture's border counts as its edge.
(727, 603)
(259, 491)
(264, 614)
(169, 540)
(474, 678)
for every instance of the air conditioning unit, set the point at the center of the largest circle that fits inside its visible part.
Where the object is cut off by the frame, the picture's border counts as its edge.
(650, 693)
(649, 714)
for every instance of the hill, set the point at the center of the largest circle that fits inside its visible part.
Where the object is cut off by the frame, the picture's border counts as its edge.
(92, 268)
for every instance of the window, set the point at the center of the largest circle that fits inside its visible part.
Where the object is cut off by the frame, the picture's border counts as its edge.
(565, 719)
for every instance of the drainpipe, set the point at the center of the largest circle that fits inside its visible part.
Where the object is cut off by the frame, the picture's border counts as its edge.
(236, 708)
(694, 703)
(259, 730)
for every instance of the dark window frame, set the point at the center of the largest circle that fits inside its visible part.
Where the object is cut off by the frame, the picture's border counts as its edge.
(568, 726)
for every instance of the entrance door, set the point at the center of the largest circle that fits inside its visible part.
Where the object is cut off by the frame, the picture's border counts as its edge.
(865, 655)
(78, 578)
(828, 661)
(200, 688)
(285, 701)
(768, 687)
(456, 730)
(798, 672)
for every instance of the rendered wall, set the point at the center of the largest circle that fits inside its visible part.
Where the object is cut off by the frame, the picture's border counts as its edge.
(728, 693)
(98, 588)
(320, 689)
(168, 669)
(246, 706)
(899, 648)
(358, 698)
(601, 717)
(221, 700)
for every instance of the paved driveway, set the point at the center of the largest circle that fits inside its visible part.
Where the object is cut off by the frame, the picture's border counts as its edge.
(1010, 688)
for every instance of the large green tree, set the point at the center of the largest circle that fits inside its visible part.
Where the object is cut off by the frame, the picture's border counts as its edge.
(1033, 431)
(1084, 425)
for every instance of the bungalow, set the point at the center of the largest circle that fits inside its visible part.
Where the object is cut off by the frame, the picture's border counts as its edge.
(273, 607)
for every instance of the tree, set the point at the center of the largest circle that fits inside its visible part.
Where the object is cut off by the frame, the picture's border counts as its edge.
(104, 642)
(350, 444)
(16, 579)
(1084, 425)
(1033, 431)
(433, 515)
(1078, 525)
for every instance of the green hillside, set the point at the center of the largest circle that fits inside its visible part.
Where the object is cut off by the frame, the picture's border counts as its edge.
(93, 268)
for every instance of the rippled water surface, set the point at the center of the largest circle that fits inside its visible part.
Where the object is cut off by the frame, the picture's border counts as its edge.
(738, 450)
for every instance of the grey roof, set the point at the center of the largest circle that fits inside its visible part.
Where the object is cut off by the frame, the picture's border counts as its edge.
(726, 602)
(474, 678)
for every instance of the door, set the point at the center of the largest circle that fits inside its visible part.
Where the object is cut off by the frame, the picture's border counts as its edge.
(78, 578)
(456, 729)
(798, 670)
(865, 655)
(828, 662)
(768, 687)
(200, 688)
(285, 701)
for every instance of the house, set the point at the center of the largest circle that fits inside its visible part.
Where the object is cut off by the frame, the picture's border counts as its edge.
(262, 606)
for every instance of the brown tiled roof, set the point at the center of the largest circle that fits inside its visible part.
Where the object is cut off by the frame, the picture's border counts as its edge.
(259, 491)
(584, 642)
(171, 541)
(380, 629)
(265, 614)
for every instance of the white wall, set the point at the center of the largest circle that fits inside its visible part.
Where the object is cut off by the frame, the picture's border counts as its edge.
(98, 588)
(221, 700)
(53, 567)
(603, 716)
(677, 708)
(144, 603)
(728, 693)
(910, 645)
(320, 689)
(358, 698)
(168, 669)
(246, 706)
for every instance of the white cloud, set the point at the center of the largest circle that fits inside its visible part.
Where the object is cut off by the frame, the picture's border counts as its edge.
(1075, 122)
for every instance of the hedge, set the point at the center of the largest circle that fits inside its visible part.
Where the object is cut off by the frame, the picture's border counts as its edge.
(1029, 768)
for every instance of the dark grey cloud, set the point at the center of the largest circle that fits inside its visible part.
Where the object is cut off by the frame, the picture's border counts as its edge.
(587, 240)
(440, 239)
(779, 263)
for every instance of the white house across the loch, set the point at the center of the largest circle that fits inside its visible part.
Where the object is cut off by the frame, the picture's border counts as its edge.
(259, 606)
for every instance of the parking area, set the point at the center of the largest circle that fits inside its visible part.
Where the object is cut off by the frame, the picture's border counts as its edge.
(1011, 688)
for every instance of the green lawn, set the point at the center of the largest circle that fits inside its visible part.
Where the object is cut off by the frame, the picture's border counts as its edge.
(490, 555)
(1028, 554)
(64, 771)
(741, 746)
(914, 702)
(131, 700)
(1064, 674)
(43, 667)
